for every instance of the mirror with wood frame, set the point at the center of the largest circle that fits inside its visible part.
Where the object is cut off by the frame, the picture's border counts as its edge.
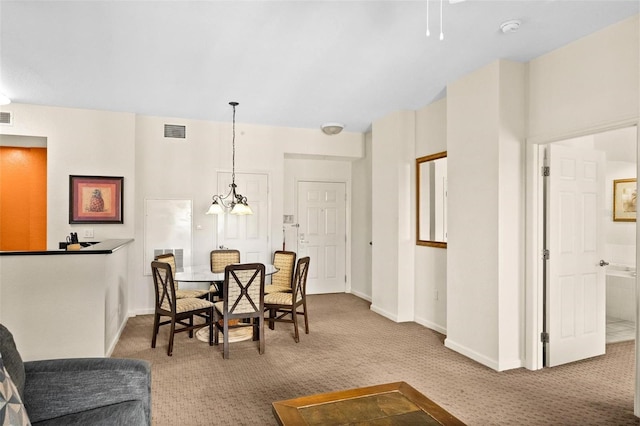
(431, 200)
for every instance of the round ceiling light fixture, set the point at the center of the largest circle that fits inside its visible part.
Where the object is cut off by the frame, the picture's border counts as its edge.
(332, 128)
(510, 26)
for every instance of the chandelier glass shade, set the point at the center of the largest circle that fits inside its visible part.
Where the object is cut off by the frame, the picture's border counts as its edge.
(232, 201)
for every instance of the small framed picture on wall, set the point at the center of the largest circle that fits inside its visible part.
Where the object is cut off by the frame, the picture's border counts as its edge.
(95, 199)
(625, 200)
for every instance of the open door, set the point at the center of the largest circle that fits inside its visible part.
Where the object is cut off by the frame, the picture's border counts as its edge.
(575, 301)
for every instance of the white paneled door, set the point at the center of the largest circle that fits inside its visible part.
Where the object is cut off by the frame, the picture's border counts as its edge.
(575, 281)
(322, 234)
(250, 233)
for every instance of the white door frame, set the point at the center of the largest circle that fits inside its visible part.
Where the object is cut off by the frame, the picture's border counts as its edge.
(534, 277)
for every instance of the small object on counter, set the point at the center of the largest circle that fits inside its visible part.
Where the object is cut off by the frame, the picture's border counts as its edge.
(74, 247)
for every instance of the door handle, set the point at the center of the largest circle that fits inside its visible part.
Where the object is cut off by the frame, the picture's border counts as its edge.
(603, 263)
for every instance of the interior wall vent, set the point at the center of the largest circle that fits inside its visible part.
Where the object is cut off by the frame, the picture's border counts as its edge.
(175, 131)
(6, 118)
(178, 255)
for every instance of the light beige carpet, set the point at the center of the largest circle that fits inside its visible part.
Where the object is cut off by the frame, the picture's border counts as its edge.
(349, 346)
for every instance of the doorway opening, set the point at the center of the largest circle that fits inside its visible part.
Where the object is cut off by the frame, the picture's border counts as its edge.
(595, 301)
(23, 192)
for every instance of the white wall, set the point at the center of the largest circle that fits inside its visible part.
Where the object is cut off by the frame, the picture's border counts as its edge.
(589, 83)
(87, 142)
(431, 262)
(511, 219)
(80, 142)
(361, 224)
(188, 170)
(64, 306)
(485, 248)
(393, 215)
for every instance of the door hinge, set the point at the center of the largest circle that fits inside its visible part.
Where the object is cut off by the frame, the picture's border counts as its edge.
(546, 170)
(345, 278)
(545, 254)
(544, 337)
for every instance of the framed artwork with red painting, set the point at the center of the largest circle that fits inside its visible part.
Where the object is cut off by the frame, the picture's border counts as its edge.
(95, 199)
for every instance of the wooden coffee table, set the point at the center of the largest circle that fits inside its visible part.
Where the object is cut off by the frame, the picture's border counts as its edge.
(388, 404)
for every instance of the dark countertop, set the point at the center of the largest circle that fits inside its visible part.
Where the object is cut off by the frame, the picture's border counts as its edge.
(103, 247)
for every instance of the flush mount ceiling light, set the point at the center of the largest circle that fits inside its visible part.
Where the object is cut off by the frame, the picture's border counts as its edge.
(510, 26)
(236, 202)
(332, 128)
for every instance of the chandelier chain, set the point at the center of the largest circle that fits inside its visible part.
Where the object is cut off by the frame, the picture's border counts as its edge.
(233, 149)
(236, 202)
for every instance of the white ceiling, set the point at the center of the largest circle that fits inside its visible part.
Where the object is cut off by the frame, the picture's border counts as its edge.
(288, 63)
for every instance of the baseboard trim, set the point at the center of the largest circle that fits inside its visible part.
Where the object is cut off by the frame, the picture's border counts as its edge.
(384, 313)
(116, 339)
(361, 295)
(463, 350)
(431, 325)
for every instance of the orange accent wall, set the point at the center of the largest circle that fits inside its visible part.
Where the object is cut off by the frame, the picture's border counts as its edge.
(23, 198)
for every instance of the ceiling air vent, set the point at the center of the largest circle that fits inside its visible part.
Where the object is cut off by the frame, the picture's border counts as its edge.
(175, 131)
(6, 118)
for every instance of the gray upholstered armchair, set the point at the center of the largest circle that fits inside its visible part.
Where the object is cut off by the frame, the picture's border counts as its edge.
(83, 391)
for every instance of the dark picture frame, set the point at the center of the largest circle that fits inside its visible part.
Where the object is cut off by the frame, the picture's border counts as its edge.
(96, 199)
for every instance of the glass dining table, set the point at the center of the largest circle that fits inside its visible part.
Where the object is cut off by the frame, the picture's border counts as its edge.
(201, 274)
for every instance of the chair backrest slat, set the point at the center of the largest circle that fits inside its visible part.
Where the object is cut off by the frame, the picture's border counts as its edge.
(244, 289)
(300, 279)
(171, 260)
(164, 285)
(285, 261)
(221, 258)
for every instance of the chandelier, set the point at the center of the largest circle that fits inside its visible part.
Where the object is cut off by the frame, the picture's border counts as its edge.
(237, 203)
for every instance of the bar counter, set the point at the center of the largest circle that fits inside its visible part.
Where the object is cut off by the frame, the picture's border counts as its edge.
(66, 303)
(103, 247)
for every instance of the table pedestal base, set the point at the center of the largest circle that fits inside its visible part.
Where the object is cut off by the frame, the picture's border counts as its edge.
(235, 334)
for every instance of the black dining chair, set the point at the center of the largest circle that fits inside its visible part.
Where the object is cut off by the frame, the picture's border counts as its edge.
(180, 311)
(282, 305)
(180, 293)
(281, 281)
(242, 299)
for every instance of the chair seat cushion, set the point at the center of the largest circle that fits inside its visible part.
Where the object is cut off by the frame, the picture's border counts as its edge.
(278, 299)
(268, 289)
(188, 304)
(184, 294)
